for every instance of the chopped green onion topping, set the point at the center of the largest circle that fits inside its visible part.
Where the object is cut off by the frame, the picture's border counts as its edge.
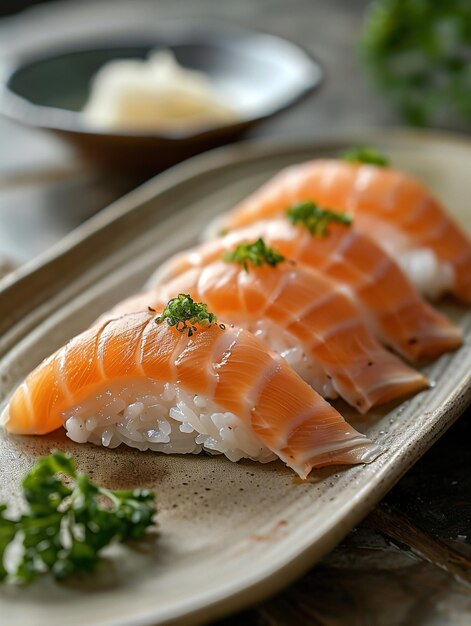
(257, 253)
(315, 219)
(183, 313)
(65, 526)
(367, 155)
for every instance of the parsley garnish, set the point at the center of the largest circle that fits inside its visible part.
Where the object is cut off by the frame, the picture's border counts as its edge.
(418, 53)
(183, 313)
(315, 219)
(365, 154)
(257, 253)
(66, 526)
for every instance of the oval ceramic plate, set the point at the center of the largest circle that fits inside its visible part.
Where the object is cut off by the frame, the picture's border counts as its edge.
(228, 534)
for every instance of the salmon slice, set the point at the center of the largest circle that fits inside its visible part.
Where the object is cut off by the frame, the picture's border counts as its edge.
(391, 207)
(303, 316)
(391, 306)
(230, 366)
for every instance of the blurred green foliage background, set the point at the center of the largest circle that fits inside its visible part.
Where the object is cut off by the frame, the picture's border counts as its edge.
(419, 53)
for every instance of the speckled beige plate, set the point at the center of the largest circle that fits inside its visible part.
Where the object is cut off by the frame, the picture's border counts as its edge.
(229, 534)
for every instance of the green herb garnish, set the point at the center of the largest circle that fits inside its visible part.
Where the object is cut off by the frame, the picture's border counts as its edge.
(66, 526)
(183, 313)
(366, 154)
(315, 219)
(257, 253)
(417, 51)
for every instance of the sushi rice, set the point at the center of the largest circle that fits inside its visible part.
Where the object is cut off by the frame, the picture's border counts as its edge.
(149, 415)
(292, 350)
(429, 276)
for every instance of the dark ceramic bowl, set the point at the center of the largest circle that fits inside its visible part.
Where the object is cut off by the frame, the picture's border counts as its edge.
(262, 74)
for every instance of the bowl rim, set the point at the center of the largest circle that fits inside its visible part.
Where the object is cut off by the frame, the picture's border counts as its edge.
(20, 109)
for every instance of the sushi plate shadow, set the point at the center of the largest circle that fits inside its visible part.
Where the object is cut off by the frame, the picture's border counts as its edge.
(228, 534)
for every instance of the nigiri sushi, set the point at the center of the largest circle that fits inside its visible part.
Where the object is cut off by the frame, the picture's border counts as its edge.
(392, 207)
(391, 306)
(305, 317)
(181, 383)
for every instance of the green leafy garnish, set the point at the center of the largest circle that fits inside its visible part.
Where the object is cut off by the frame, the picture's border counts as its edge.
(183, 313)
(417, 51)
(366, 154)
(66, 526)
(315, 219)
(257, 253)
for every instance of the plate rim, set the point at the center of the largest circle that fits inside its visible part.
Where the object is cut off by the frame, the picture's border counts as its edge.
(198, 166)
(218, 158)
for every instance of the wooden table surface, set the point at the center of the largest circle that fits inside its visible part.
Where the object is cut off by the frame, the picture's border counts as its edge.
(409, 562)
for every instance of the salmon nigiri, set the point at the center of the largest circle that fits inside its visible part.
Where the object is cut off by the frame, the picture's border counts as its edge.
(392, 207)
(391, 306)
(181, 383)
(300, 314)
